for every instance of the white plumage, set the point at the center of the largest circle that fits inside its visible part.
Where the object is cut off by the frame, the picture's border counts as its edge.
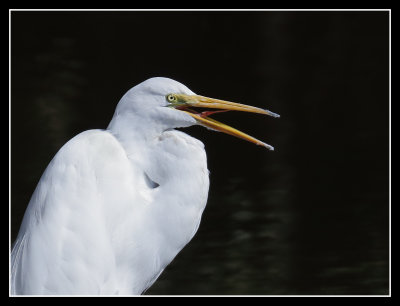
(115, 206)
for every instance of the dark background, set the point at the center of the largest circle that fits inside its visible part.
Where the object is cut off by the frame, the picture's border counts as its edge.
(312, 217)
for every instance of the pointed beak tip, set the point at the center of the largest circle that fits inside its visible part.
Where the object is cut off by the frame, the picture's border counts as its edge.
(272, 114)
(269, 147)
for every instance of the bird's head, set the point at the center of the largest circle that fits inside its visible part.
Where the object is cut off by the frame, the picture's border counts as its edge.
(170, 104)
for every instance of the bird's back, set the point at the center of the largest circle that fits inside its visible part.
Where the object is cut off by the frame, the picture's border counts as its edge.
(65, 243)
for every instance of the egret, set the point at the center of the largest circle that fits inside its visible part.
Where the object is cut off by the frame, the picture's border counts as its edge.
(114, 207)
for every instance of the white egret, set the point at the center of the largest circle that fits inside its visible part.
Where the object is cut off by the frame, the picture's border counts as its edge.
(114, 207)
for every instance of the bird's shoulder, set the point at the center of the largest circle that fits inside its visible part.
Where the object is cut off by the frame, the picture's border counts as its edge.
(92, 142)
(83, 167)
(94, 158)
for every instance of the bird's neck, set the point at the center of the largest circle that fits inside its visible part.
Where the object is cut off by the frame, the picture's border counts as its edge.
(131, 129)
(177, 165)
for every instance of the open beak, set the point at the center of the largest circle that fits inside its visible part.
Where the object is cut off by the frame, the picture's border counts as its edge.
(187, 101)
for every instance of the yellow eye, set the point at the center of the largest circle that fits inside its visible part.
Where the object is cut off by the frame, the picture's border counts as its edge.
(171, 98)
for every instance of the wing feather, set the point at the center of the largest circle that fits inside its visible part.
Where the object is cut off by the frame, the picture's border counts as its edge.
(54, 246)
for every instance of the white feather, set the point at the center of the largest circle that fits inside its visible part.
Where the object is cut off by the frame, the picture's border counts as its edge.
(94, 224)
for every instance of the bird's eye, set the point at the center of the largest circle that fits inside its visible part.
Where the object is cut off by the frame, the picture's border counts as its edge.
(172, 98)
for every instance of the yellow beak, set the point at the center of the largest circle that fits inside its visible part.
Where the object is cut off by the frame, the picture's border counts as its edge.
(186, 101)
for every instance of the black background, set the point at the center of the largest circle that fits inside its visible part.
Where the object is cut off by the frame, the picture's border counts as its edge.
(312, 217)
